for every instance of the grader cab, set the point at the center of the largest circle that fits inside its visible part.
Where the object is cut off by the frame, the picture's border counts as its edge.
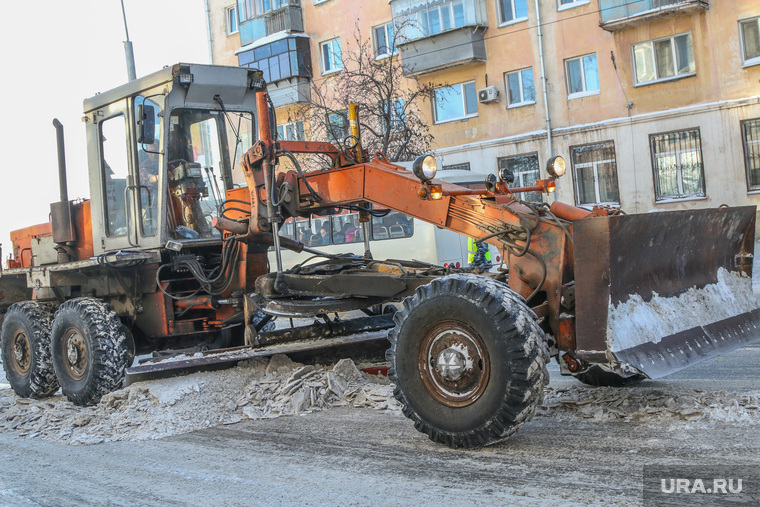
(189, 188)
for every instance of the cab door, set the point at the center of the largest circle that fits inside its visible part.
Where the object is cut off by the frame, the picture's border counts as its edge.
(115, 209)
(128, 179)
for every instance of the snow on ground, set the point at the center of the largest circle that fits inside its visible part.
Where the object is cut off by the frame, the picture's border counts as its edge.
(641, 403)
(255, 389)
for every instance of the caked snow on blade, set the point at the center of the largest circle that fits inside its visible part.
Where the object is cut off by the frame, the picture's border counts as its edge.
(661, 291)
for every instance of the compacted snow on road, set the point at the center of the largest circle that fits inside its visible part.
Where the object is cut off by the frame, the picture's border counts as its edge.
(264, 389)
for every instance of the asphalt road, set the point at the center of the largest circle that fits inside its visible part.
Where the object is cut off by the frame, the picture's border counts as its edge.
(361, 457)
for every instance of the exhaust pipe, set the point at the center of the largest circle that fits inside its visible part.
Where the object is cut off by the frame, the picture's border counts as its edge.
(61, 213)
(61, 160)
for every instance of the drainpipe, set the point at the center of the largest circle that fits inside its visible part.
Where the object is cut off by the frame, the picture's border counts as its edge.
(550, 149)
(208, 31)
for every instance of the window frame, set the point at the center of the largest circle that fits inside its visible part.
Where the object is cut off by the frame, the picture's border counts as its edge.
(571, 4)
(674, 54)
(388, 38)
(661, 199)
(586, 92)
(522, 102)
(755, 60)
(594, 164)
(460, 166)
(515, 19)
(503, 162)
(746, 151)
(337, 62)
(230, 13)
(297, 127)
(464, 103)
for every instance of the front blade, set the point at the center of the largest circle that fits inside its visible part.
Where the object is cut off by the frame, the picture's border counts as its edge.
(677, 351)
(661, 291)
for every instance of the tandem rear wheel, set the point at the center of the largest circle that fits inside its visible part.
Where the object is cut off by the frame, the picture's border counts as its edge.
(468, 361)
(25, 342)
(90, 349)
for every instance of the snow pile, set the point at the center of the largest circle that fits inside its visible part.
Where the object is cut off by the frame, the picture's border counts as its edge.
(636, 322)
(261, 388)
(651, 405)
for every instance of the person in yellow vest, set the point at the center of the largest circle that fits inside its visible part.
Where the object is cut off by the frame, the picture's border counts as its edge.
(478, 254)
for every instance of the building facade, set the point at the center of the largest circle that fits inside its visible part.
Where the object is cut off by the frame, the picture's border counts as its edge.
(655, 104)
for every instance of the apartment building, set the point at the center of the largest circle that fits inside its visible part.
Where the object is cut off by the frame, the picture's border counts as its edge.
(655, 104)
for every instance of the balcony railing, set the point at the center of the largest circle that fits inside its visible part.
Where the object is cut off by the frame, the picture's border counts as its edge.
(418, 19)
(287, 18)
(617, 14)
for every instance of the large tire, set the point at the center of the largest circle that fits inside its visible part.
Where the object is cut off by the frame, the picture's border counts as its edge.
(90, 350)
(598, 376)
(468, 361)
(25, 342)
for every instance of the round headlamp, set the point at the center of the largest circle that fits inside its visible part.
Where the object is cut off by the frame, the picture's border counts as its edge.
(425, 167)
(556, 166)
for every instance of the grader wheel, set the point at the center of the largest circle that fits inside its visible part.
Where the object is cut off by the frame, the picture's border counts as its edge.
(90, 350)
(468, 361)
(25, 345)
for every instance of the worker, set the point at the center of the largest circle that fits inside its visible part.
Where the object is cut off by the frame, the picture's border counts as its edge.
(478, 254)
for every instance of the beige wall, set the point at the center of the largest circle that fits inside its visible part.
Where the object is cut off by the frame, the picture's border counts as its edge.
(715, 100)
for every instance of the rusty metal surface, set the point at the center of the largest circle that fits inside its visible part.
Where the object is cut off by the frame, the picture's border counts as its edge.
(230, 357)
(677, 351)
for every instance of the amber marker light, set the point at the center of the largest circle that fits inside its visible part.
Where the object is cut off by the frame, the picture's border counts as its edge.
(436, 192)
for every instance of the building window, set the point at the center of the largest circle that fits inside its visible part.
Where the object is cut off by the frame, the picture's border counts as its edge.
(281, 59)
(332, 61)
(511, 11)
(750, 36)
(521, 90)
(291, 131)
(465, 166)
(384, 42)
(456, 102)
(663, 59)
(677, 164)
(337, 126)
(595, 172)
(230, 15)
(525, 170)
(569, 4)
(751, 138)
(582, 76)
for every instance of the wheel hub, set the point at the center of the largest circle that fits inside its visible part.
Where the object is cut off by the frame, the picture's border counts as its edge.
(22, 357)
(76, 356)
(454, 364)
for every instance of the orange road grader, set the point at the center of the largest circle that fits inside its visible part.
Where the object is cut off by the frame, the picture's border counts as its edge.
(189, 187)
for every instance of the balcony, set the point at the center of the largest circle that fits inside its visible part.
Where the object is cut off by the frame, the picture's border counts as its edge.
(619, 14)
(285, 61)
(438, 34)
(288, 16)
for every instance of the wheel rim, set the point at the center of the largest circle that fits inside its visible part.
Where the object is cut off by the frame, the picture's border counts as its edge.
(75, 353)
(21, 359)
(454, 364)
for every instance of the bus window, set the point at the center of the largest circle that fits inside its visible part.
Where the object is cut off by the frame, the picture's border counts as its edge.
(316, 235)
(346, 229)
(393, 225)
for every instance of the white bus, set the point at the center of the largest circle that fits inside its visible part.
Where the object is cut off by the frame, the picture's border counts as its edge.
(393, 236)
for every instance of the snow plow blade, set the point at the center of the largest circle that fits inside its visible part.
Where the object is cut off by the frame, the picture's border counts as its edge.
(658, 292)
